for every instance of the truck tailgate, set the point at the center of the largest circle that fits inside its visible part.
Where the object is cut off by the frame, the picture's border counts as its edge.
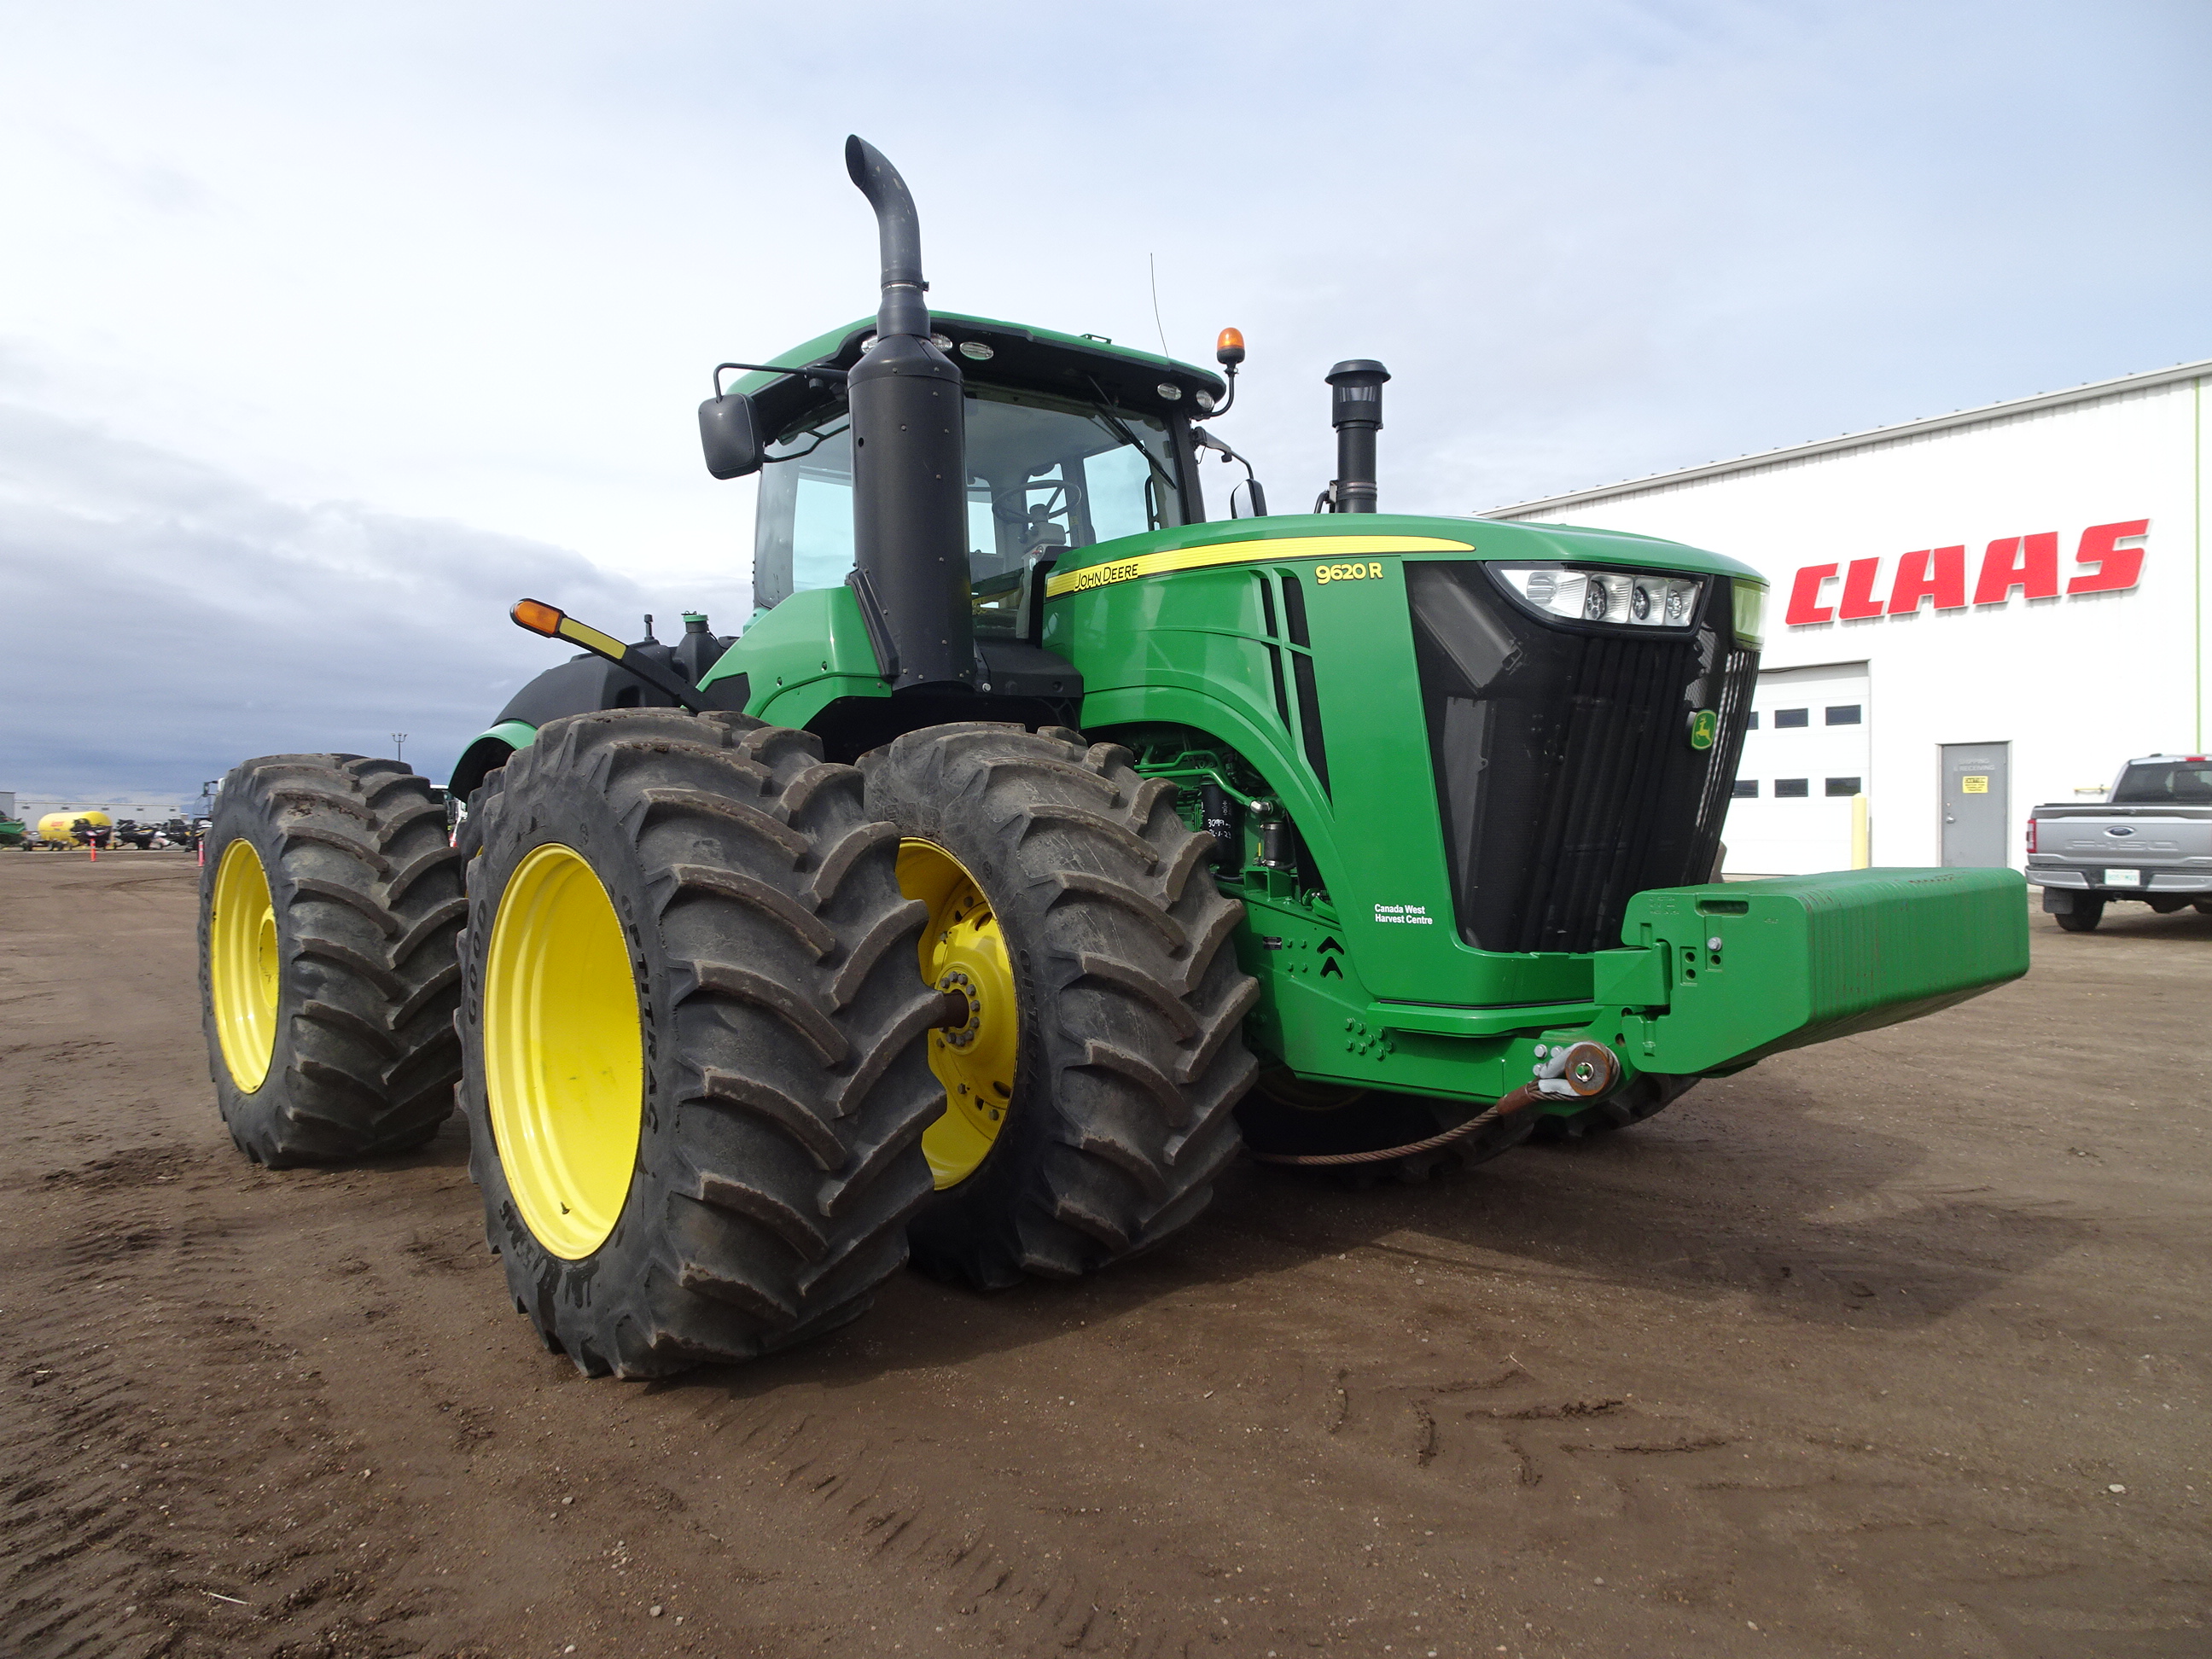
(2075, 845)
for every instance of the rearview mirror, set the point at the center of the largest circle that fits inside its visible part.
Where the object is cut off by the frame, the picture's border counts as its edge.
(729, 435)
(1248, 500)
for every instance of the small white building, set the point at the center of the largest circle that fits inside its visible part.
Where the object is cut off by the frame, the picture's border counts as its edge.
(1968, 615)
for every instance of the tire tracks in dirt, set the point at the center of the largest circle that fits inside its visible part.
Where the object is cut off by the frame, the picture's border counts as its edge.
(1860, 1373)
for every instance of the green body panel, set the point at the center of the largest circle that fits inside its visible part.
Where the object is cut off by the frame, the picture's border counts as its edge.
(1810, 957)
(1367, 981)
(802, 656)
(1492, 540)
(1190, 648)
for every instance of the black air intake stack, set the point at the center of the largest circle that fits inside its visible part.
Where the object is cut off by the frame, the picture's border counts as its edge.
(1355, 410)
(909, 461)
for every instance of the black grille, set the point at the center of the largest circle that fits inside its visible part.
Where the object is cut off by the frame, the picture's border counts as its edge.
(1564, 773)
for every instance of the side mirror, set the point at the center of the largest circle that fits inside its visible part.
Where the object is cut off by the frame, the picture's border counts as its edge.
(730, 435)
(1248, 500)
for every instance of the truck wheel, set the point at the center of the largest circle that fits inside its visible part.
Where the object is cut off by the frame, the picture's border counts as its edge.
(2083, 917)
(329, 907)
(1088, 1105)
(692, 1038)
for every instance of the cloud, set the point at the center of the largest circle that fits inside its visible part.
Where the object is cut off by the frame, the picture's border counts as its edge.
(164, 620)
(442, 266)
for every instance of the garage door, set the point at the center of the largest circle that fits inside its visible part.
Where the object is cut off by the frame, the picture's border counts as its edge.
(1804, 758)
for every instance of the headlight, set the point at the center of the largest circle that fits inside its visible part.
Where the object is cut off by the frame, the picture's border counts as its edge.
(1750, 614)
(1631, 598)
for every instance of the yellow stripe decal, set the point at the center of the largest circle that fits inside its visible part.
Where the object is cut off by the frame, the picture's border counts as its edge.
(591, 639)
(1286, 548)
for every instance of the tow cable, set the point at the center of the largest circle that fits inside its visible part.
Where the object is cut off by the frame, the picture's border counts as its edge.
(1578, 1071)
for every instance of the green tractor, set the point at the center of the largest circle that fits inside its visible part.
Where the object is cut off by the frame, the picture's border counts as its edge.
(1040, 847)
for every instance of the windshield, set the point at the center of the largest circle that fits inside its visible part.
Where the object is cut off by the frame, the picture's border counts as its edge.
(1045, 474)
(2151, 783)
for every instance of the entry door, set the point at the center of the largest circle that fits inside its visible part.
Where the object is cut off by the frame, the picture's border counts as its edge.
(1976, 805)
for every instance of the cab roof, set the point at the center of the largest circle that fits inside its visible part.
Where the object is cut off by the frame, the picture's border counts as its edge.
(1081, 366)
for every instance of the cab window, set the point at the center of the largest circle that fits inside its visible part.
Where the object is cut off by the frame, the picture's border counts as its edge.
(803, 535)
(1045, 475)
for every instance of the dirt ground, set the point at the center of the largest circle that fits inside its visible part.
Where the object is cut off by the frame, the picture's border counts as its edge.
(1894, 1346)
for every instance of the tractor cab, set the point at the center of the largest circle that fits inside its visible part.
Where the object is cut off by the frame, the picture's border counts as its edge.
(1069, 441)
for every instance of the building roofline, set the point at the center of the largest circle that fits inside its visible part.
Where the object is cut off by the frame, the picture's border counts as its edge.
(2086, 393)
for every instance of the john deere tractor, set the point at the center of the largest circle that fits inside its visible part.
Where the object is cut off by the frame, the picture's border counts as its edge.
(1039, 847)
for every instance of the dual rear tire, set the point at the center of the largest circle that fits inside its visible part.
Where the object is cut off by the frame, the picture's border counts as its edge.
(698, 1019)
(330, 904)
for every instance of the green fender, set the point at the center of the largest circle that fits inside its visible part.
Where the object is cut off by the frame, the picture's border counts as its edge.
(486, 754)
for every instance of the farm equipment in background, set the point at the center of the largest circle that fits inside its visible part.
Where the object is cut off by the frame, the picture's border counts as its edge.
(129, 832)
(75, 826)
(1038, 844)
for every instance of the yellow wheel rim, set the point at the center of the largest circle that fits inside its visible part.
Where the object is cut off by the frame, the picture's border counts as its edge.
(564, 1051)
(961, 950)
(244, 965)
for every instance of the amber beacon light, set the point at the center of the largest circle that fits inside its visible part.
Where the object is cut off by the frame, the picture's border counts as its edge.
(538, 617)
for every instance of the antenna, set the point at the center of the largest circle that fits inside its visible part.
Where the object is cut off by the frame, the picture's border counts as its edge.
(1151, 263)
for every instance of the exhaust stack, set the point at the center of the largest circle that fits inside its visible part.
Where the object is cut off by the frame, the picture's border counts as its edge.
(1355, 410)
(909, 461)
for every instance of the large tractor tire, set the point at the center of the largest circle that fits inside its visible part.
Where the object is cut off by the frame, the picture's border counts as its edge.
(1088, 1104)
(330, 903)
(692, 1036)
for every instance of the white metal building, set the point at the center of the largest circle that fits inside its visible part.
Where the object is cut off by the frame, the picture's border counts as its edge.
(1968, 614)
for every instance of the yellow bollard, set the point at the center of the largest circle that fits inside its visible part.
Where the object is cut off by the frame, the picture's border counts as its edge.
(1862, 837)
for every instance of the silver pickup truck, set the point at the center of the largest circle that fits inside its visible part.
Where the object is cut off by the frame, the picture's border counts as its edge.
(2150, 842)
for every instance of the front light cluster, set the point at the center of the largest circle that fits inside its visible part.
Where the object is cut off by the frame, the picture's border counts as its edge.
(1633, 599)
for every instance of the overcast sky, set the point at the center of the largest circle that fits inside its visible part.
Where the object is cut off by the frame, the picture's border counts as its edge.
(327, 331)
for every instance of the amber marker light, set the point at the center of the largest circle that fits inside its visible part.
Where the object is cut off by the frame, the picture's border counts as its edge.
(555, 623)
(1229, 347)
(538, 617)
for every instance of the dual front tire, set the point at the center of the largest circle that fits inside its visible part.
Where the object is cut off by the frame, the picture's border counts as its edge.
(1092, 1099)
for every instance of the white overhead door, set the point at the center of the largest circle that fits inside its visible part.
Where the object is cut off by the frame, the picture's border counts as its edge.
(1804, 758)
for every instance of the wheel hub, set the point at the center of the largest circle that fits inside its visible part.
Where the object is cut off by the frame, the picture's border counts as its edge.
(961, 950)
(962, 1037)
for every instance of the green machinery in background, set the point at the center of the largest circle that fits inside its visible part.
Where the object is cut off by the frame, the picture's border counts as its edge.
(1039, 844)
